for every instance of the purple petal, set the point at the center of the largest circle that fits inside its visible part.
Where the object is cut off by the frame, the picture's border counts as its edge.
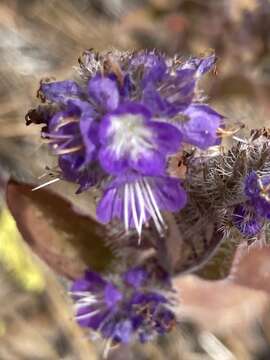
(61, 91)
(110, 161)
(166, 137)
(89, 133)
(247, 221)
(109, 206)
(149, 162)
(206, 64)
(135, 277)
(69, 165)
(104, 91)
(201, 65)
(112, 295)
(175, 94)
(201, 126)
(88, 128)
(123, 331)
(128, 87)
(251, 185)
(262, 206)
(153, 100)
(169, 194)
(154, 66)
(90, 282)
(150, 297)
(87, 318)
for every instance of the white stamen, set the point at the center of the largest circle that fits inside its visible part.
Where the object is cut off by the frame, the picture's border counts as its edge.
(46, 184)
(107, 348)
(82, 304)
(154, 203)
(240, 140)
(88, 315)
(142, 207)
(150, 209)
(126, 220)
(134, 210)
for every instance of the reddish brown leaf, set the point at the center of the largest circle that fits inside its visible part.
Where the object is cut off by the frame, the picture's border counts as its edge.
(66, 241)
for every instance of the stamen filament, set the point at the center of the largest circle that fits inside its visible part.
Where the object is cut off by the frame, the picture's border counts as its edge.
(46, 184)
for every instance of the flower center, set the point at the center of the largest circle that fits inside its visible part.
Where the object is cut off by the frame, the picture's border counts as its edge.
(130, 134)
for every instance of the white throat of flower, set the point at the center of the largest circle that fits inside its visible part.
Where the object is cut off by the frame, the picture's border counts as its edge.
(130, 135)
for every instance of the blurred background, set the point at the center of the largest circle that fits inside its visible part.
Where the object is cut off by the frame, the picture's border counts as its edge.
(43, 39)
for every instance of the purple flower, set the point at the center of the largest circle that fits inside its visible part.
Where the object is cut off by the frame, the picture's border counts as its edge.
(135, 277)
(72, 135)
(61, 91)
(73, 131)
(132, 141)
(95, 299)
(257, 190)
(117, 127)
(134, 199)
(199, 125)
(249, 217)
(246, 220)
(251, 189)
(201, 65)
(125, 310)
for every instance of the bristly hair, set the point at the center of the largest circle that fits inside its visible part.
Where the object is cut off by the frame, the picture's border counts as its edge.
(215, 186)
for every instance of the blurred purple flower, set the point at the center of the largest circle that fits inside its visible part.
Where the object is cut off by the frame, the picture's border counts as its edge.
(246, 220)
(257, 189)
(201, 65)
(250, 216)
(130, 310)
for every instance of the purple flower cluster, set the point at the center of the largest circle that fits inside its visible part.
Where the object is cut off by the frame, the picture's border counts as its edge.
(117, 128)
(250, 216)
(127, 309)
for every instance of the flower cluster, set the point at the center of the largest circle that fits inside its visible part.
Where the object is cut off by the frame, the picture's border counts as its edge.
(118, 125)
(135, 128)
(127, 309)
(249, 217)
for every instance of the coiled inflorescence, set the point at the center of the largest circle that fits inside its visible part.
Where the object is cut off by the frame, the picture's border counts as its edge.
(117, 126)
